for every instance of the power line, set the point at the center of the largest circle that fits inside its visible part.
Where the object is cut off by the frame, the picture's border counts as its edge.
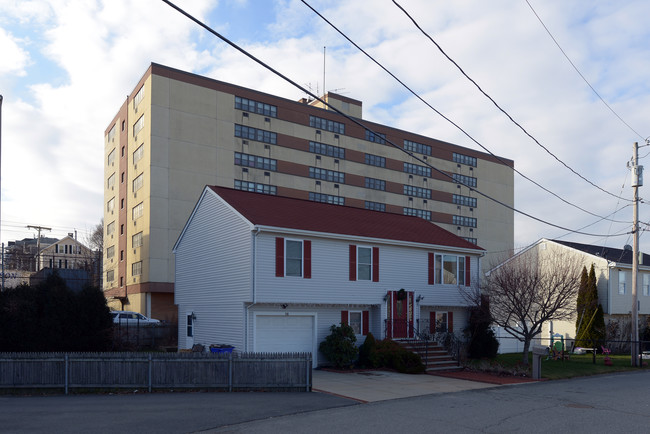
(355, 121)
(452, 122)
(578, 71)
(499, 107)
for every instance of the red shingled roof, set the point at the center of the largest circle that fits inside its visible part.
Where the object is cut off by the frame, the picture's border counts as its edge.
(284, 212)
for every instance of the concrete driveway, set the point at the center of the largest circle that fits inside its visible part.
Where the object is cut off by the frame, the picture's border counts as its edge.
(370, 386)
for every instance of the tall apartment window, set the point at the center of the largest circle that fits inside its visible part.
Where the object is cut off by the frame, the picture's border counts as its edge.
(326, 198)
(326, 175)
(410, 190)
(138, 97)
(459, 220)
(138, 125)
(255, 134)
(136, 240)
(416, 147)
(423, 214)
(256, 187)
(110, 205)
(110, 275)
(469, 181)
(325, 124)
(137, 211)
(417, 170)
(136, 268)
(110, 228)
(375, 206)
(375, 160)
(464, 159)
(138, 182)
(260, 108)
(329, 150)
(471, 240)
(375, 137)
(110, 252)
(138, 154)
(111, 181)
(449, 269)
(255, 161)
(464, 200)
(111, 134)
(111, 158)
(376, 184)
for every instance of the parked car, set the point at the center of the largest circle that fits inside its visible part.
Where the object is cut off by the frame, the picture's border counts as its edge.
(124, 318)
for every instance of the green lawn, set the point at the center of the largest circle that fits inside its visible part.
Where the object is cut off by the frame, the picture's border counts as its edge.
(576, 366)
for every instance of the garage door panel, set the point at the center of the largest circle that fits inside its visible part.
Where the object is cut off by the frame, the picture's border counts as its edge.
(284, 334)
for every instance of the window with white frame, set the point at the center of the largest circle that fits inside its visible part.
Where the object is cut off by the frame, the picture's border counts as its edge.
(138, 182)
(110, 228)
(138, 125)
(111, 134)
(138, 97)
(110, 205)
(293, 258)
(136, 268)
(110, 252)
(136, 240)
(449, 269)
(356, 322)
(622, 275)
(138, 210)
(111, 158)
(364, 263)
(190, 325)
(646, 283)
(111, 181)
(138, 154)
(110, 275)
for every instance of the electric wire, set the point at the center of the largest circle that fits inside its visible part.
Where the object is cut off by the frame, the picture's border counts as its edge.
(451, 121)
(578, 71)
(355, 121)
(500, 108)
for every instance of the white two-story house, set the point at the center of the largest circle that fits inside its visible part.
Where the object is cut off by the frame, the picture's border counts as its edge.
(271, 274)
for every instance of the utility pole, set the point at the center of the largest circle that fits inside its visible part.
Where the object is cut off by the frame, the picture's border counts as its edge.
(38, 241)
(637, 181)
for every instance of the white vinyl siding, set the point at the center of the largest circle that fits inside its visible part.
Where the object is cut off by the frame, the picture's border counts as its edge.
(213, 273)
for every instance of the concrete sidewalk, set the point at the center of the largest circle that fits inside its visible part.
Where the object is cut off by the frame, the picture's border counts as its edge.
(370, 386)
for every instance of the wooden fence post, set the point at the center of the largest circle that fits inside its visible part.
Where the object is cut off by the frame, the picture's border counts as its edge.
(150, 373)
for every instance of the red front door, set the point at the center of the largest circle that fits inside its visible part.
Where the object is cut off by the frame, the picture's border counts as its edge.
(401, 318)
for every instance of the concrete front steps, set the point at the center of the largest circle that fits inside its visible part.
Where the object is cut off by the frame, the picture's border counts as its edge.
(434, 356)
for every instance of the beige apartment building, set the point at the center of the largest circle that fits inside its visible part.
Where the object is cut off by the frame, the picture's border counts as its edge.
(178, 132)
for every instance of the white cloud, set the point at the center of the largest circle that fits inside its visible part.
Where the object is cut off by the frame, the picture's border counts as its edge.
(14, 57)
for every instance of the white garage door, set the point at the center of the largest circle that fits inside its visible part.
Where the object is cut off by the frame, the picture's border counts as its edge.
(284, 334)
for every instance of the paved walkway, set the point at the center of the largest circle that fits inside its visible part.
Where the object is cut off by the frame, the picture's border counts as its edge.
(370, 386)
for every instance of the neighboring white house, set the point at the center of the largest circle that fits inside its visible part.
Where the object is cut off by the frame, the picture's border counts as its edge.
(613, 269)
(272, 274)
(66, 253)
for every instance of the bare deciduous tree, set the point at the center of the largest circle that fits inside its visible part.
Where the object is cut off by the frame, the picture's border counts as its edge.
(528, 290)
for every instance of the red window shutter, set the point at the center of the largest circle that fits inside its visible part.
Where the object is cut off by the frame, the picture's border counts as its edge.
(467, 273)
(431, 269)
(307, 254)
(432, 322)
(450, 322)
(375, 264)
(366, 320)
(344, 317)
(279, 257)
(353, 262)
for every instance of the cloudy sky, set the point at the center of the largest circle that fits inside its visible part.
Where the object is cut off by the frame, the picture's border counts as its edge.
(67, 66)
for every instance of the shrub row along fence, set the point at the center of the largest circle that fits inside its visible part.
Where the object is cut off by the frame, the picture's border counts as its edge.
(231, 372)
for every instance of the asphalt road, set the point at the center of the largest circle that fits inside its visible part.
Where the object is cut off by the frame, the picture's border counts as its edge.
(611, 403)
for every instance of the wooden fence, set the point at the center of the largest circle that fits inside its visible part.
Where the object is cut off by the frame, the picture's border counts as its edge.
(231, 372)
